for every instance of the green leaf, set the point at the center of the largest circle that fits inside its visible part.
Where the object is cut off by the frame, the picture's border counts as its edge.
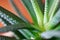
(26, 33)
(46, 19)
(50, 8)
(41, 5)
(55, 20)
(37, 35)
(53, 8)
(58, 27)
(50, 2)
(38, 12)
(29, 8)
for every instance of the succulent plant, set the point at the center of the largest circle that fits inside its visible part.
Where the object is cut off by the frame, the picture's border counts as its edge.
(45, 17)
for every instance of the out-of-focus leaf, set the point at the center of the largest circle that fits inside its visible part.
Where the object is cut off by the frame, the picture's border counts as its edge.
(7, 38)
(12, 27)
(5, 22)
(15, 27)
(7, 15)
(50, 34)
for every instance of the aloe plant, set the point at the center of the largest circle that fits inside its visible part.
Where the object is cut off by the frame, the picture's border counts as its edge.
(45, 17)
